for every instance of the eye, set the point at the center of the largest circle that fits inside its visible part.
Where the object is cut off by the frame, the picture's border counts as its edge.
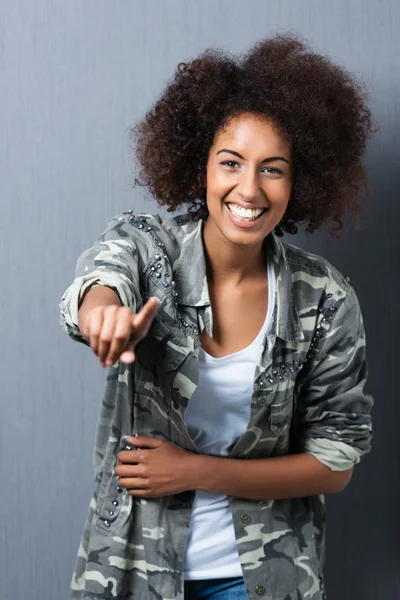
(272, 170)
(230, 163)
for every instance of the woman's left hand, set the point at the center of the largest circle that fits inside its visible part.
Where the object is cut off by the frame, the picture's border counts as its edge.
(155, 468)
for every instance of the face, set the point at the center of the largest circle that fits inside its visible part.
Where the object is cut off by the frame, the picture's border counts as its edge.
(249, 179)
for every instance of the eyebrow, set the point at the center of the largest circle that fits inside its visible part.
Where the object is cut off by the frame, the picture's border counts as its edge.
(265, 160)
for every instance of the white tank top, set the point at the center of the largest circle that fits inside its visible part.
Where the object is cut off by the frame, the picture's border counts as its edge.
(217, 415)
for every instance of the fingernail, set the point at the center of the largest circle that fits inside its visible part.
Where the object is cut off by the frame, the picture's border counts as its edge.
(109, 363)
(102, 364)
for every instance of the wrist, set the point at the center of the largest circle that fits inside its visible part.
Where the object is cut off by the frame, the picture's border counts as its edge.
(96, 295)
(198, 472)
(207, 472)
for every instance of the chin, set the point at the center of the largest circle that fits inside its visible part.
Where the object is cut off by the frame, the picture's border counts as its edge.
(244, 238)
(247, 234)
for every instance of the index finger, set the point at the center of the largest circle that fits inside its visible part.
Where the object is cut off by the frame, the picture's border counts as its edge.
(144, 317)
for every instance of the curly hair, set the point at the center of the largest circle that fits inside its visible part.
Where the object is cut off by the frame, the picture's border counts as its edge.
(313, 102)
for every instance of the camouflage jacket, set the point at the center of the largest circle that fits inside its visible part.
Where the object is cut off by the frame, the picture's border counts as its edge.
(308, 397)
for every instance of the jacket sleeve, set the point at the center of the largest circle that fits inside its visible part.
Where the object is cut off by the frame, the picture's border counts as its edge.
(111, 261)
(336, 420)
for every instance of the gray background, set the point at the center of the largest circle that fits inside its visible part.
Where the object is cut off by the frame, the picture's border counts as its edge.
(75, 75)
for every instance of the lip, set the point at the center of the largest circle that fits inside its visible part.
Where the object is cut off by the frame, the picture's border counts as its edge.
(245, 224)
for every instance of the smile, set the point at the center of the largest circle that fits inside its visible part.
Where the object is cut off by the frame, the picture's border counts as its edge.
(245, 214)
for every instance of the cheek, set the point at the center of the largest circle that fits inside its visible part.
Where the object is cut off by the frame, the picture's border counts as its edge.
(217, 189)
(279, 194)
(217, 179)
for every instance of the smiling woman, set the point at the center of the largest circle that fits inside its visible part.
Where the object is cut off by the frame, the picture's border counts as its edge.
(235, 397)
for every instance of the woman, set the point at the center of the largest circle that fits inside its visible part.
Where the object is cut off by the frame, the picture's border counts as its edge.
(234, 399)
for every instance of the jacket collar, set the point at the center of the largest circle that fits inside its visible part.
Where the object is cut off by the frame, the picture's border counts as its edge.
(191, 279)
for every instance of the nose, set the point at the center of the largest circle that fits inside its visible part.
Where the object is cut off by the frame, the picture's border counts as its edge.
(249, 187)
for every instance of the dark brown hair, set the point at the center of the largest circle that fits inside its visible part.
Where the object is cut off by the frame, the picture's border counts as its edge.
(315, 103)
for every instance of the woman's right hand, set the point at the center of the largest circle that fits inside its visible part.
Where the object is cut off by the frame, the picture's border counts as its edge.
(113, 331)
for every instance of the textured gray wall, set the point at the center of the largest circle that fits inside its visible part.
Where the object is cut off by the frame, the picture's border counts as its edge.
(75, 75)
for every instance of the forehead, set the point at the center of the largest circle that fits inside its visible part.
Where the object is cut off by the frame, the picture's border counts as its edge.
(252, 133)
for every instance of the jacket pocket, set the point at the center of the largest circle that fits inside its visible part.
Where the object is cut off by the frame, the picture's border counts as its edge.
(158, 358)
(281, 415)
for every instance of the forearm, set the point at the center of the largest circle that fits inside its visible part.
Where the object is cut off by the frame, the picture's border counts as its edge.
(100, 295)
(292, 476)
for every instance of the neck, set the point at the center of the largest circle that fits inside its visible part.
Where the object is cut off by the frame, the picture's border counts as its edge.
(230, 263)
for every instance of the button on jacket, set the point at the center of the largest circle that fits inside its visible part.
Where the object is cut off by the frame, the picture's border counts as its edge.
(308, 396)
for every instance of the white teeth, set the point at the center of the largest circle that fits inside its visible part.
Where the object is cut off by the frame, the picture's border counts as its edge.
(243, 213)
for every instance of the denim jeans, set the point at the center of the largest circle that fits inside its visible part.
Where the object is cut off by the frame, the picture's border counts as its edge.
(230, 588)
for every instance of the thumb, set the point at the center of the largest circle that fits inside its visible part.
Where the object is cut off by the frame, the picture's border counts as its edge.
(143, 319)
